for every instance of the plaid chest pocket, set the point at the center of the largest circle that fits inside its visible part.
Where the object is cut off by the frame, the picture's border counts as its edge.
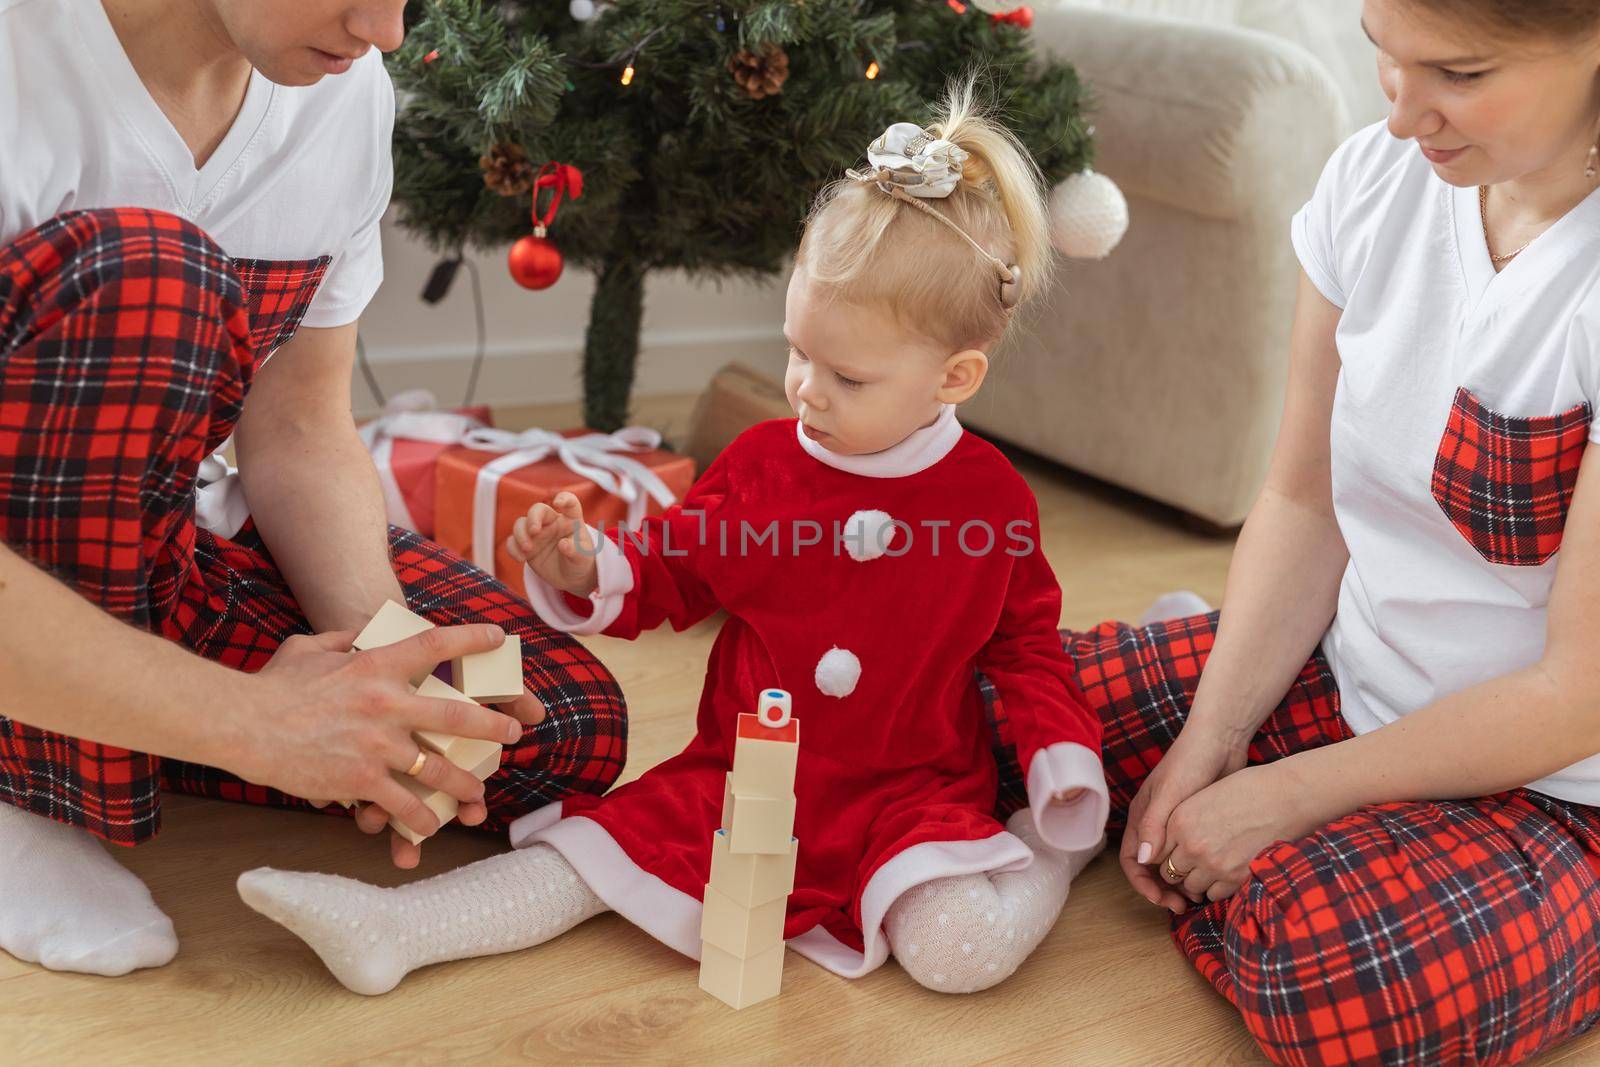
(277, 293)
(1505, 482)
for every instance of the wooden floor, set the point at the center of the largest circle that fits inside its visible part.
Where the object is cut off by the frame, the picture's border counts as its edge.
(1106, 987)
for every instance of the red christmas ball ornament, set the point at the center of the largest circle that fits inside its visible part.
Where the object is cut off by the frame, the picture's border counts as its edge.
(535, 262)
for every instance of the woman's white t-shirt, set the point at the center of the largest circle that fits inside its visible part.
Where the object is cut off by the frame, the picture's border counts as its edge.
(293, 193)
(1464, 403)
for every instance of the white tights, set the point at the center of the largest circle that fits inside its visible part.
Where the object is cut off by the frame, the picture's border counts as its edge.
(954, 935)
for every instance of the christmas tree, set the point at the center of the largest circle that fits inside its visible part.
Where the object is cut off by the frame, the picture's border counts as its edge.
(702, 129)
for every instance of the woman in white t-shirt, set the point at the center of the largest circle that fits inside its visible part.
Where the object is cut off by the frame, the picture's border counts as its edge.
(1374, 812)
(187, 189)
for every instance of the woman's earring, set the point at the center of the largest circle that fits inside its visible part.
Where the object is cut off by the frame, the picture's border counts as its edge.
(1594, 162)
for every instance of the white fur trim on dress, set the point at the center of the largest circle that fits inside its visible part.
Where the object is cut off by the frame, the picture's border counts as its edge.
(666, 914)
(615, 583)
(1056, 769)
(916, 865)
(838, 671)
(921, 450)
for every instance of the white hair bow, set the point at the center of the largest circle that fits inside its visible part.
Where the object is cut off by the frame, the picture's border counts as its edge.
(917, 161)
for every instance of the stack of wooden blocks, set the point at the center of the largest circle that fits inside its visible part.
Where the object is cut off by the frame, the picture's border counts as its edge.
(752, 860)
(483, 678)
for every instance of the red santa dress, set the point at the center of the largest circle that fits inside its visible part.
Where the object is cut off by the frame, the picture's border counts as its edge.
(872, 588)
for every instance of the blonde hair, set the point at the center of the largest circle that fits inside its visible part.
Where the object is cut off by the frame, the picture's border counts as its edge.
(865, 247)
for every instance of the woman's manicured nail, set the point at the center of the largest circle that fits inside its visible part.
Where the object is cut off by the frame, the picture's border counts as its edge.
(1144, 852)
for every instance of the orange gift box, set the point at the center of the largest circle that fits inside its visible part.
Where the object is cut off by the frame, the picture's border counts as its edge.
(538, 482)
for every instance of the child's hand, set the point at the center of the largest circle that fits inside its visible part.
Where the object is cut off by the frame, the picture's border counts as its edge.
(555, 542)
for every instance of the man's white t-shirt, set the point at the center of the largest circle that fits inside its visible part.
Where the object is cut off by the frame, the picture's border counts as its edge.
(1464, 402)
(302, 176)
(292, 195)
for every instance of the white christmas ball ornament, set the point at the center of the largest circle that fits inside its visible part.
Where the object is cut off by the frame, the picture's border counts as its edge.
(1088, 216)
(582, 10)
(997, 7)
(838, 671)
(868, 534)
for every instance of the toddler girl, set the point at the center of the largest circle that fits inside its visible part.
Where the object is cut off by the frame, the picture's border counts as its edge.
(871, 556)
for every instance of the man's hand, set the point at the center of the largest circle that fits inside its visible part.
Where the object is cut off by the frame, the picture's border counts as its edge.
(321, 721)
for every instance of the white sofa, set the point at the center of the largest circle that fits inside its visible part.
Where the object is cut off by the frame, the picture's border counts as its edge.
(1161, 368)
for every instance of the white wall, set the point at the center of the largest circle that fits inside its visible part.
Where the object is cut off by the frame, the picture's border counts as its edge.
(535, 339)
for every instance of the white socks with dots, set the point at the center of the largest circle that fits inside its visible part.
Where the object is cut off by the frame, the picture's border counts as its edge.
(66, 904)
(371, 937)
(966, 933)
(1176, 605)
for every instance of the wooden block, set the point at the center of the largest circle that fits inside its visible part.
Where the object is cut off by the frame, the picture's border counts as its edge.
(393, 623)
(748, 878)
(741, 931)
(492, 677)
(764, 759)
(441, 804)
(480, 758)
(757, 824)
(737, 982)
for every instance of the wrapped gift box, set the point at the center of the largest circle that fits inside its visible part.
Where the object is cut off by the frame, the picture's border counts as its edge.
(737, 398)
(464, 487)
(406, 443)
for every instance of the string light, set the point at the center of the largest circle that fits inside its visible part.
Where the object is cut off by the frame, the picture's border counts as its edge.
(872, 70)
(627, 75)
(957, 6)
(431, 56)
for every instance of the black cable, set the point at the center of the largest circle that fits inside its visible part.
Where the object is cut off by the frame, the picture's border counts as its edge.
(477, 358)
(366, 370)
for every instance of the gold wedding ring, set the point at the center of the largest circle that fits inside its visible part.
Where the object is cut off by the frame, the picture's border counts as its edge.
(416, 768)
(1171, 873)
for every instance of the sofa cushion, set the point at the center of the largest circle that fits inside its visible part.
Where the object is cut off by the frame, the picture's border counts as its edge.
(1329, 29)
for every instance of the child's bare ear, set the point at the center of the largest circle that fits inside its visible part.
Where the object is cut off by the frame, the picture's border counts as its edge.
(963, 375)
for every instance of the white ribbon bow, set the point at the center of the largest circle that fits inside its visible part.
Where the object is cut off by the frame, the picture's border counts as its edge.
(593, 455)
(409, 416)
(923, 165)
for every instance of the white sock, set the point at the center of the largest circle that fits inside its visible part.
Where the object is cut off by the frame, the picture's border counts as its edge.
(971, 931)
(371, 937)
(1176, 605)
(66, 904)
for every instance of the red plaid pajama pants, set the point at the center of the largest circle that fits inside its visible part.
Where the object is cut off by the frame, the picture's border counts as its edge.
(127, 343)
(1455, 932)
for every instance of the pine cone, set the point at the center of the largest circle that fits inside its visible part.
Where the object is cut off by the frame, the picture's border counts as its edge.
(506, 169)
(760, 74)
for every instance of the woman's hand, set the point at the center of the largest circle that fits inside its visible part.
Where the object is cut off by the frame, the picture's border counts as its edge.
(1214, 835)
(555, 543)
(321, 721)
(1196, 760)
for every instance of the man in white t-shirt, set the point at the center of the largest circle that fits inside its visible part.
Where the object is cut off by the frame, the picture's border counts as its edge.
(190, 193)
